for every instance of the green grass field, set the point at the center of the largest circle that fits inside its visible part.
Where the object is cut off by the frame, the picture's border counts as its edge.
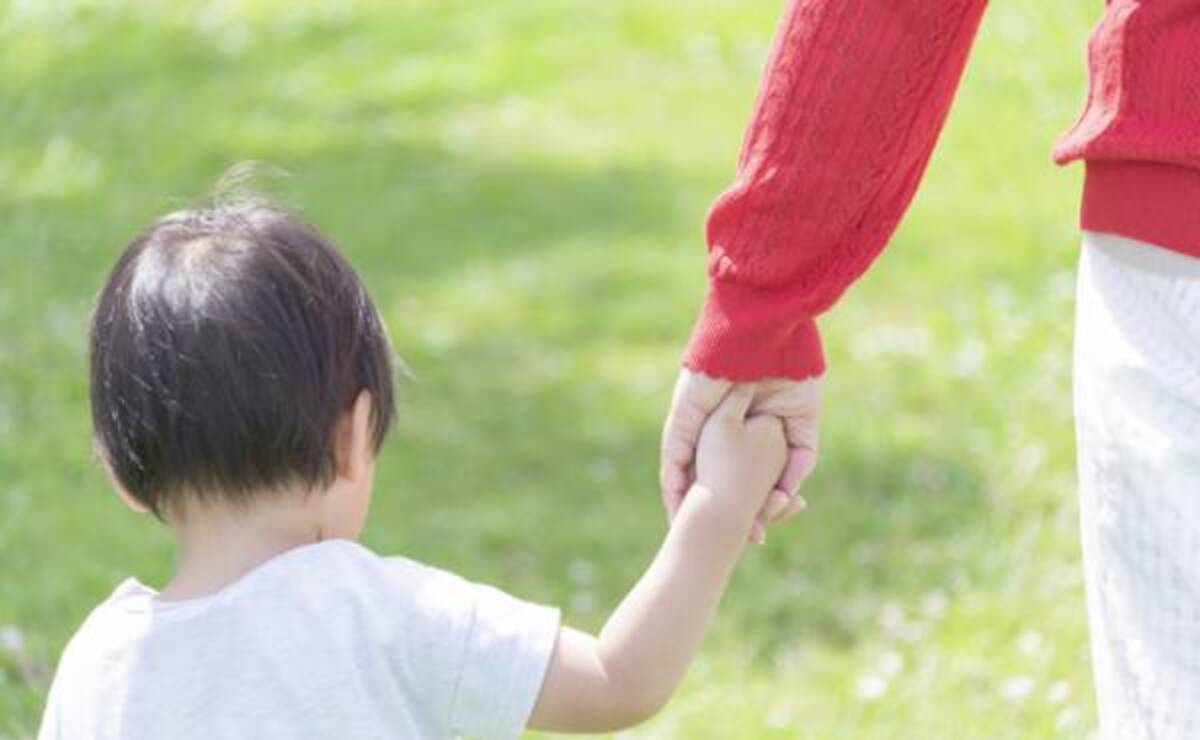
(522, 184)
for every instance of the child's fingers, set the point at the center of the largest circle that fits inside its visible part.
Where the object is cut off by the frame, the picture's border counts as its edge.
(735, 405)
(802, 458)
(794, 506)
(781, 506)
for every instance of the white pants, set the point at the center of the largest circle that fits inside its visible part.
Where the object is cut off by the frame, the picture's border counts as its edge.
(1137, 410)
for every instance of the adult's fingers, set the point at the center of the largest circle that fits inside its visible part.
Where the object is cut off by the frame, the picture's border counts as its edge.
(694, 398)
(799, 465)
(758, 533)
(801, 434)
(681, 433)
(777, 501)
(672, 499)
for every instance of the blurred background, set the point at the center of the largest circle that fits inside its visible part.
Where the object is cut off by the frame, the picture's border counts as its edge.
(522, 184)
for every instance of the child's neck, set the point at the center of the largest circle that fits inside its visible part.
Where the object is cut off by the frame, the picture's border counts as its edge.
(218, 544)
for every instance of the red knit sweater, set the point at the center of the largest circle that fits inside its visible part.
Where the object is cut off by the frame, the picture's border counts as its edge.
(853, 99)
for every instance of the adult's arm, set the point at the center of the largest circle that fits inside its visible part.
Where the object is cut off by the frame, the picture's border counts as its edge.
(851, 104)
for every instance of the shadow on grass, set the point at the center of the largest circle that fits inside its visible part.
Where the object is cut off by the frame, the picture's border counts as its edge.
(407, 205)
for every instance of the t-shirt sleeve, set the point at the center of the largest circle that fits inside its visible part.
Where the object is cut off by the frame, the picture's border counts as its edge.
(508, 645)
(51, 727)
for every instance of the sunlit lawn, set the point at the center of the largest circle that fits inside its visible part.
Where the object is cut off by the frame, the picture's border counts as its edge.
(522, 183)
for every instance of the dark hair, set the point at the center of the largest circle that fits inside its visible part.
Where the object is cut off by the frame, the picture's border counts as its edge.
(226, 344)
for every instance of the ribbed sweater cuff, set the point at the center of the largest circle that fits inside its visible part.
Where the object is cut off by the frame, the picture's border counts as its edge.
(746, 333)
(1147, 201)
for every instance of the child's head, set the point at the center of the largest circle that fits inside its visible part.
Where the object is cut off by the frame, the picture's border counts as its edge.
(235, 355)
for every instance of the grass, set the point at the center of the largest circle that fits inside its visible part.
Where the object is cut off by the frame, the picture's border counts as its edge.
(522, 184)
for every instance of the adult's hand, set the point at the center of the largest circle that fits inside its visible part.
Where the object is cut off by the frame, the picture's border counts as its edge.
(696, 396)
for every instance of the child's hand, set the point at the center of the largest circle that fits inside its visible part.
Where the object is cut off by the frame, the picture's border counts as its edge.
(605, 683)
(739, 459)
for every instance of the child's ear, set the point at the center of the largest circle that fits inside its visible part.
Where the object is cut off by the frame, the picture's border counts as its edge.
(353, 445)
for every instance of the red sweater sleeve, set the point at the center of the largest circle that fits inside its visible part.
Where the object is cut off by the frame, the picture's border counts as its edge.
(852, 101)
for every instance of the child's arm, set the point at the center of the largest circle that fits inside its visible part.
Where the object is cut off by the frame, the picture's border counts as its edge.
(622, 677)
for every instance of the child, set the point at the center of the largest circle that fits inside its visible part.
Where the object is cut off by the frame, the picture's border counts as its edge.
(241, 385)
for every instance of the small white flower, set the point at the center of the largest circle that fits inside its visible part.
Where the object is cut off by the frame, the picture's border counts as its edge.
(1030, 643)
(934, 604)
(897, 624)
(867, 553)
(583, 602)
(871, 687)
(912, 631)
(968, 359)
(1017, 688)
(11, 640)
(515, 111)
(1058, 692)
(602, 470)
(1068, 717)
(1030, 459)
(891, 663)
(704, 49)
(892, 340)
(781, 716)
(891, 617)
(581, 572)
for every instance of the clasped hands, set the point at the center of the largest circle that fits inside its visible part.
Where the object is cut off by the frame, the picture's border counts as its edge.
(796, 404)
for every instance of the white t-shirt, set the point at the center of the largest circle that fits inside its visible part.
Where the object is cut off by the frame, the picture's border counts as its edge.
(327, 640)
